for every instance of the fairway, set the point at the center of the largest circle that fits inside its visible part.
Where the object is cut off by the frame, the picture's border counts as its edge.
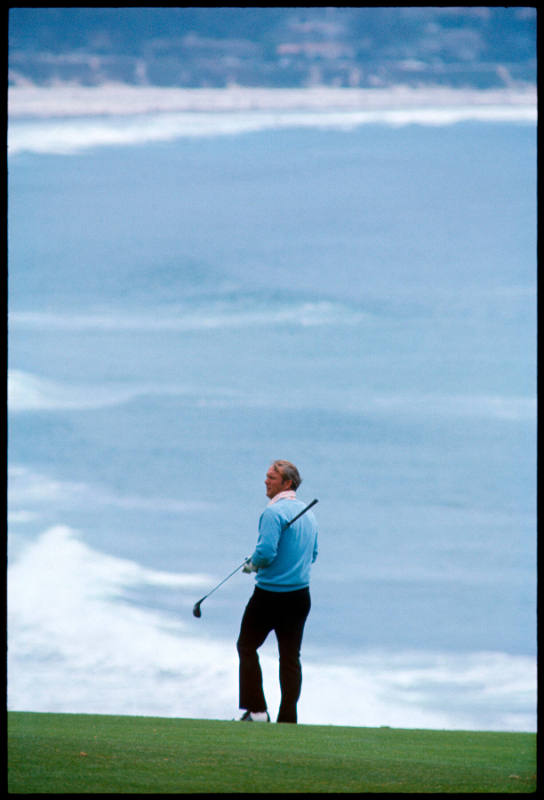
(80, 753)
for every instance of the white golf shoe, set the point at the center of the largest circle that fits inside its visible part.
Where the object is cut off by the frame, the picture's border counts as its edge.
(255, 716)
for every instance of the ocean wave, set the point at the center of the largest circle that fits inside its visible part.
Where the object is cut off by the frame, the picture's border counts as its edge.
(415, 407)
(85, 650)
(73, 135)
(28, 393)
(502, 407)
(32, 494)
(69, 100)
(223, 314)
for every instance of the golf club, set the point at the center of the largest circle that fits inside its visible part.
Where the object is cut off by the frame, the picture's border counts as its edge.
(196, 608)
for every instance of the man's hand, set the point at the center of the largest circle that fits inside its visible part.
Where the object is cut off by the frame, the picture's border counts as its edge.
(249, 566)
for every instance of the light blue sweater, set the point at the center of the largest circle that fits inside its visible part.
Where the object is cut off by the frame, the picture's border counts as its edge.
(284, 557)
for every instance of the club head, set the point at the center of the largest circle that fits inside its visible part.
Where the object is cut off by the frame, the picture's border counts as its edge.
(196, 609)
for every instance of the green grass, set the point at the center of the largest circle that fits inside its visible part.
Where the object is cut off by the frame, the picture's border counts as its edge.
(80, 753)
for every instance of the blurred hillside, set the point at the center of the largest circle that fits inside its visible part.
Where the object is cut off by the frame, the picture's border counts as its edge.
(198, 47)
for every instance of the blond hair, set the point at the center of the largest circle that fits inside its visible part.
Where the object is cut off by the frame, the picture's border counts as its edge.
(289, 472)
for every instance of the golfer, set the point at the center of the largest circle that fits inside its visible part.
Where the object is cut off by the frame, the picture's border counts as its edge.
(281, 599)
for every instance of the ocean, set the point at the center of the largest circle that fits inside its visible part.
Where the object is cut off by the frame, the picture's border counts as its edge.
(194, 296)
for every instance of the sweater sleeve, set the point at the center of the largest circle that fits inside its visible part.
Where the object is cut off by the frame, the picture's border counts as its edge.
(270, 527)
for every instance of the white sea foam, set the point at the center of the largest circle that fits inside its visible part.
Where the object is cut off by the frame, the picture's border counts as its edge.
(76, 646)
(32, 493)
(211, 317)
(508, 408)
(66, 120)
(27, 393)
(121, 99)
(505, 407)
(32, 393)
(67, 137)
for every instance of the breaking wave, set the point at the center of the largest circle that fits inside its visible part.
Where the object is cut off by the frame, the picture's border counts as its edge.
(65, 136)
(211, 317)
(28, 392)
(31, 491)
(85, 649)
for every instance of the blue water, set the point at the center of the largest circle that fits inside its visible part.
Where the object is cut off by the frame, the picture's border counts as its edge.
(360, 302)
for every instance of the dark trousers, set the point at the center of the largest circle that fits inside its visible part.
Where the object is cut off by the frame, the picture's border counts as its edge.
(285, 613)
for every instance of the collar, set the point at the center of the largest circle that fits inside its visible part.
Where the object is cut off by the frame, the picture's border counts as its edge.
(290, 494)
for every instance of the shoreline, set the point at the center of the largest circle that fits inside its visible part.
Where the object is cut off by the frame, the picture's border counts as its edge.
(67, 100)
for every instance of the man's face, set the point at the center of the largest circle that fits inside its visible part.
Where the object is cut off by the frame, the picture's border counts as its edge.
(275, 482)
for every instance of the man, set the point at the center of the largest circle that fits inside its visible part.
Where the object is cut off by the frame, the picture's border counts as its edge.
(281, 599)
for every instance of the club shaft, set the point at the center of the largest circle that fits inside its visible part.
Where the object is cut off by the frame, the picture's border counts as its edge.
(304, 510)
(224, 580)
